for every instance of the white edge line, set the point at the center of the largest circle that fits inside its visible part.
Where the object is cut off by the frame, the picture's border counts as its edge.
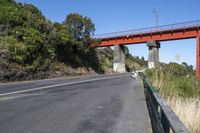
(57, 85)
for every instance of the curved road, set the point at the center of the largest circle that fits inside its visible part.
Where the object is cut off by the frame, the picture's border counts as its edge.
(92, 104)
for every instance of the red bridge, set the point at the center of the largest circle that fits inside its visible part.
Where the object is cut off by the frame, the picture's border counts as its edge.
(177, 31)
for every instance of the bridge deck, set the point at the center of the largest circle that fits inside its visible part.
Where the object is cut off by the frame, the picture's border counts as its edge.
(161, 33)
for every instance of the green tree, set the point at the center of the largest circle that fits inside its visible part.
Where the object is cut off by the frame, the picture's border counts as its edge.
(74, 23)
(89, 29)
(126, 50)
(32, 39)
(18, 50)
(80, 28)
(8, 16)
(142, 58)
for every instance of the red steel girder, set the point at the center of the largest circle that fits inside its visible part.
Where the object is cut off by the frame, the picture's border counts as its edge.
(198, 57)
(161, 36)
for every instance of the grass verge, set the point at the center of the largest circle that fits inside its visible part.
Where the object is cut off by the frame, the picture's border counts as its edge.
(178, 84)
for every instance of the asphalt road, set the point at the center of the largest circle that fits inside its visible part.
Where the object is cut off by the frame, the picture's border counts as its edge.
(92, 104)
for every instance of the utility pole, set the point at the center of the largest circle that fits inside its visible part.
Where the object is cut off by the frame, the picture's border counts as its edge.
(156, 13)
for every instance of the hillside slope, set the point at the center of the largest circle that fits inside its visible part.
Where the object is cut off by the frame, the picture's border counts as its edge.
(32, 47)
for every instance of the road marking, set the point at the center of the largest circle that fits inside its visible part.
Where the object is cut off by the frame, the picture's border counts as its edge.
(58, 85)
(18, 96)
(24, 82)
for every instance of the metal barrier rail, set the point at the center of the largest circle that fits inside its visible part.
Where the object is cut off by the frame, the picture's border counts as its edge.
(151, 30)
(163, 118)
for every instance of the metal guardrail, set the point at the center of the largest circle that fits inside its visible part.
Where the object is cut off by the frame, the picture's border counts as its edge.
(163, 118)
(151, 30)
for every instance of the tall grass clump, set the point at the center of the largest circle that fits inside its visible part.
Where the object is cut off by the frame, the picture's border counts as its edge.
(174, 80)
(188, 110)
(179, 85)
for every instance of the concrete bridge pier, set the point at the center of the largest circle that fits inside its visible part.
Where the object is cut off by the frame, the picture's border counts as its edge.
(119, 59)
(153, 60)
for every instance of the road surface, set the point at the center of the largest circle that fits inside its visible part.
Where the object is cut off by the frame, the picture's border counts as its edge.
(91, 104)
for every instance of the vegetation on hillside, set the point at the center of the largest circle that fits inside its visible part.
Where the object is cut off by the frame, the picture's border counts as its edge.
(29, 43)
(28, 35)
(33, 47)
(133, 62)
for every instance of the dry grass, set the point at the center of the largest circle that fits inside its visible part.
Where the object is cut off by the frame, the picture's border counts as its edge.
(188, 110)
(180, 86)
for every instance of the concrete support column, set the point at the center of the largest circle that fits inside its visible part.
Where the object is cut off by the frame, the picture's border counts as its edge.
(198, 57)
(119, 59)
(153, 60)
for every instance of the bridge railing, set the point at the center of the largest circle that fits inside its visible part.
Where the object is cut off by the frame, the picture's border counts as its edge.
(151, 30)
(163, 118)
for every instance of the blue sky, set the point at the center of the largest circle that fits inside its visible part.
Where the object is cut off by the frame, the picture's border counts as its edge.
(118, 15)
